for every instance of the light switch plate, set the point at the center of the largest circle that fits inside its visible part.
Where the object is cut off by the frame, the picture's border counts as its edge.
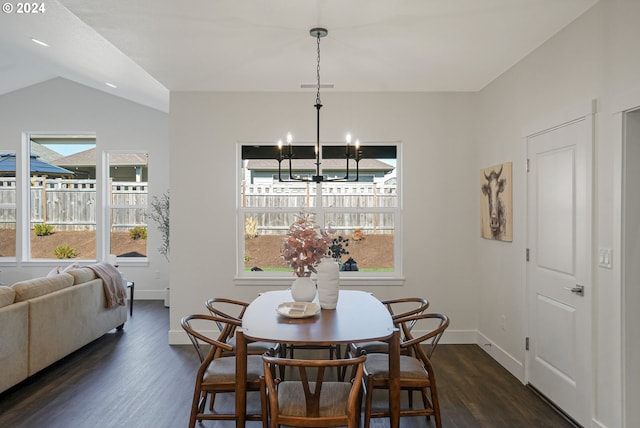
(605, 258)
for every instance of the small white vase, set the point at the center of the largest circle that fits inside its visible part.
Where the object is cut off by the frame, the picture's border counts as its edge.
(328, 283)
(303, 289)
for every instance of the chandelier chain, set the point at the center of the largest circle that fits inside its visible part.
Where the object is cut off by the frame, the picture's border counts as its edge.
(318, 70)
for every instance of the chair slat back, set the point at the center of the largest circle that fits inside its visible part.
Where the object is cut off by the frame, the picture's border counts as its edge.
(406, 306)
(198, 337)
(312, 388)
(431, 338)
(229, 309)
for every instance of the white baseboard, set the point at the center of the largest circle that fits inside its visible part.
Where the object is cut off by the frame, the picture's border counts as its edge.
(456, 337)
(506, 360)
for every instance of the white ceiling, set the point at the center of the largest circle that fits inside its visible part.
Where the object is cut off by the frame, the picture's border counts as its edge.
(148, 48)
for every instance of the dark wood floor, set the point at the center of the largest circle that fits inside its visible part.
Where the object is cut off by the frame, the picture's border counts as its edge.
(134, 379)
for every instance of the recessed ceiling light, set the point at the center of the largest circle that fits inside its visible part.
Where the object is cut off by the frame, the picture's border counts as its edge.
(40, 42)
(111, 85)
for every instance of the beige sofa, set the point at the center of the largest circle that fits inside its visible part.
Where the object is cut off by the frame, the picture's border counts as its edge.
(45, 319)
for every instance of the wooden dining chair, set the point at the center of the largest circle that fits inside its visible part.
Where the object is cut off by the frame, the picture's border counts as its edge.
(309, 401)
(398, 308)
(233, 311)
(416, 371)
(217, 371)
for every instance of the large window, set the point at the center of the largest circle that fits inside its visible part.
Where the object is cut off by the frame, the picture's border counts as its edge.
(365, 215)
(74, 211)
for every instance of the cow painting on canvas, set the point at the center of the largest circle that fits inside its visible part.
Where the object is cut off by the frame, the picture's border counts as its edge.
(495, 206)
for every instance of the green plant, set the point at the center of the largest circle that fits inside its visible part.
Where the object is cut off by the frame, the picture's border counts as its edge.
(65, 251)
(138, 232)
(160, 214)
(42, 229)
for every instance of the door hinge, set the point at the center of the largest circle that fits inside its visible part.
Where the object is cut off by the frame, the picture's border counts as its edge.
(526, 165)
(527, 254)
(526, 343)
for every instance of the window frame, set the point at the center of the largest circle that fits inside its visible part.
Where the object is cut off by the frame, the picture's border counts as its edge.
(103, 210)
(395, 277)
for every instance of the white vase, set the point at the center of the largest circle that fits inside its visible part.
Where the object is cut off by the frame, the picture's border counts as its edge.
(303, 289)
(328, 283)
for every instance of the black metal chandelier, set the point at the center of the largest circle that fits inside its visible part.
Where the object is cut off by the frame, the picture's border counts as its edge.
(350, 152)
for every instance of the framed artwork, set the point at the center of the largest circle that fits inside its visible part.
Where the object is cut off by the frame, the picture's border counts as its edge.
(496, 216)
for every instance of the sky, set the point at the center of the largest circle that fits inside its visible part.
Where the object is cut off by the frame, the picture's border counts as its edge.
(69, 149)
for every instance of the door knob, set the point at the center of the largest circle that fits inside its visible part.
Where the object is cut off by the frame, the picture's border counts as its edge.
(578, 289)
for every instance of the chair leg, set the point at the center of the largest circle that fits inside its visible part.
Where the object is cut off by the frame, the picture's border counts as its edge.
(211, 400)
(336, 350)
(435, 404)
(263, 402)
(343, 372)
(195, 405)
(368, 404)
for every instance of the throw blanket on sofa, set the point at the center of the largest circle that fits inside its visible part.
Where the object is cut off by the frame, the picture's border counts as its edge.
(112, 281)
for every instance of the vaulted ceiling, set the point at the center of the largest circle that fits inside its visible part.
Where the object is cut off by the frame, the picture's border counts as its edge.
(149, 48)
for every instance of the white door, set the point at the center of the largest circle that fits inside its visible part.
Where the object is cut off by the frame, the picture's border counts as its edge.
(559, 248)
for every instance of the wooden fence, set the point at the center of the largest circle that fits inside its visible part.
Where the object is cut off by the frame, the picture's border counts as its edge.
(70, 204)
(286, 196)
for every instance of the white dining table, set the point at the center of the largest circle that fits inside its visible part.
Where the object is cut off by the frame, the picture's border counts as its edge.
(358, 317)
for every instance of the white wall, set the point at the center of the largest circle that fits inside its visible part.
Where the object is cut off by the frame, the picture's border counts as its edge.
(596, 57)
(60, 105)
(440, 183)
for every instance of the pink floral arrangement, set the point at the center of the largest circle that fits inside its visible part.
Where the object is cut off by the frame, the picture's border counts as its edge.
(305, 244)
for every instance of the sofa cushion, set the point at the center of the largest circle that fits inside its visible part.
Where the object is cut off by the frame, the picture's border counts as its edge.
(82, 275)
(7, 296)
(60, 269)
(29, 289)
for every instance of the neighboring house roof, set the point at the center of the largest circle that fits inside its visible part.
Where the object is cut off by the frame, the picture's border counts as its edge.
(8, 165)
(327, 165)
(88, 158)
(45, 153)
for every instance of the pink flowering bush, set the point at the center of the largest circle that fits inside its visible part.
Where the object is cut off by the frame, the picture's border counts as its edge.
(305, 244)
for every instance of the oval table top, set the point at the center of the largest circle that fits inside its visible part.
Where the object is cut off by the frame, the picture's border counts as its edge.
(358, 317)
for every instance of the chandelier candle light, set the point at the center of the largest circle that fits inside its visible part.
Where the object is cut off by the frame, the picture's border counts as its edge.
(350, 153)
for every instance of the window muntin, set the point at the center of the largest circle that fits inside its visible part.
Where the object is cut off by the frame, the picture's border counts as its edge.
(369, 208)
